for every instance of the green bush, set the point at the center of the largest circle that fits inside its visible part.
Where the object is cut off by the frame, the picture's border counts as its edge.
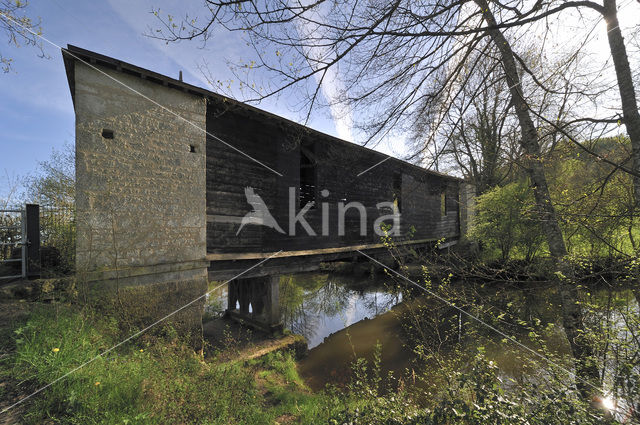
(594, 201)
(506, 222)
(473, 395)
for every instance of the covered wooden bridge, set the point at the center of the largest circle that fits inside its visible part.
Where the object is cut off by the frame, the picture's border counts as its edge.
(178, 186)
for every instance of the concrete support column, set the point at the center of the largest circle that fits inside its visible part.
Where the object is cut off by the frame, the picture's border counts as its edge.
(263, 295)
(272, 307)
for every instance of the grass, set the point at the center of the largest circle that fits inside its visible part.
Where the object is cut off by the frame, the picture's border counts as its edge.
(153, 380)
(284, 391)
(159, 379)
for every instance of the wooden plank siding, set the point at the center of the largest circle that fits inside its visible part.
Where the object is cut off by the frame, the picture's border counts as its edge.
(337, 165)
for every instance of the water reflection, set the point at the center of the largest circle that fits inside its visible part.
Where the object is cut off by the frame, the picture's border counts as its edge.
(215, 300)
(447, 339)
(344, 317)
(317, 305)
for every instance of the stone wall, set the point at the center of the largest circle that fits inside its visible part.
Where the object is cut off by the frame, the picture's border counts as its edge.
(141, 187)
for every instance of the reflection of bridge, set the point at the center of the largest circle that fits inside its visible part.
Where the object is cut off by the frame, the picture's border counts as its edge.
(257, 290)
(160, 200)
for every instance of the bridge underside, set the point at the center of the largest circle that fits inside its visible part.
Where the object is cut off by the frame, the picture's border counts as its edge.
(229, 266)
(253, 278)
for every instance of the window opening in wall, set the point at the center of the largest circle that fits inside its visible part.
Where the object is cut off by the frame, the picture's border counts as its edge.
(107, 134)
(344, 197)
(443, 203)
(307, 179)
(397, 190)
(192, 148)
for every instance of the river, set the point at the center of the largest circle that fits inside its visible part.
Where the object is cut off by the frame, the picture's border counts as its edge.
(344, 317)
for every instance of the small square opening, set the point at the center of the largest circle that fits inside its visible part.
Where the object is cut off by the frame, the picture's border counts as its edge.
(192, 148)
(107, 134)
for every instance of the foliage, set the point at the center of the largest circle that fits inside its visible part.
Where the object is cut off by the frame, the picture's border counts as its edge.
(54, 183)
(534, 383)
(506, 221)
(10, 233)
(58, 240)
(474, 394)
(594, 199)
(304, 297)
(53, 187)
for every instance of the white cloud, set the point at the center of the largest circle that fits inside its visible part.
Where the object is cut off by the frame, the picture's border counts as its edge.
(332, 87)
(137, 15)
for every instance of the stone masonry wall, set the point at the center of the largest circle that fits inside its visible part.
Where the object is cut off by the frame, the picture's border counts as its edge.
(141, 219)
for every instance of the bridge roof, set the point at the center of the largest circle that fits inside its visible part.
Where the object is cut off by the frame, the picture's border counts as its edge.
(73, 53)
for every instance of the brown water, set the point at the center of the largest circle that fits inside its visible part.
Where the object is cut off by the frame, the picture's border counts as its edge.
(345, 317)
(331, 361)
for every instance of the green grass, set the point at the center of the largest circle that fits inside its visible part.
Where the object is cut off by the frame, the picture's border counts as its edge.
(285, 392)
(154, 380)
(161, 380)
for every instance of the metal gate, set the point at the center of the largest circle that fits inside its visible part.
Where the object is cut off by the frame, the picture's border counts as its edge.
(13, 244)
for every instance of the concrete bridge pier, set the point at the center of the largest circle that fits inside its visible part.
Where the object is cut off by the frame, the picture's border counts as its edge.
(255, 301)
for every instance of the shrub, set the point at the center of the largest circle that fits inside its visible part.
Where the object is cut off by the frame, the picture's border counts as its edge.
(506, 222)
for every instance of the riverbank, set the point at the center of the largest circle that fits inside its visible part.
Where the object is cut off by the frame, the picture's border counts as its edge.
(156, 379)
(227, 340)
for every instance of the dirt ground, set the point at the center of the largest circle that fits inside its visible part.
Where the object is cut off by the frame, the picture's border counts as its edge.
(227, 338)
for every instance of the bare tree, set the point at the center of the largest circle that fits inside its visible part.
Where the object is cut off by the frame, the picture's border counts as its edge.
(478, 137)
(8, 198)
(18, 27)
(395, 60)
(402, 61)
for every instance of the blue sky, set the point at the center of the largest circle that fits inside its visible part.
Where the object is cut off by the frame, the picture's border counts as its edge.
(36, 108)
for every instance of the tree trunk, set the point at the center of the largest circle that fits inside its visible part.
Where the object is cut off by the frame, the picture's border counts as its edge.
(630, 113)
(571, 310)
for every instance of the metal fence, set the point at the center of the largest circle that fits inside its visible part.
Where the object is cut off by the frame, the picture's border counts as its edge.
(13, 236)
(57, 239)
(37, 241)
